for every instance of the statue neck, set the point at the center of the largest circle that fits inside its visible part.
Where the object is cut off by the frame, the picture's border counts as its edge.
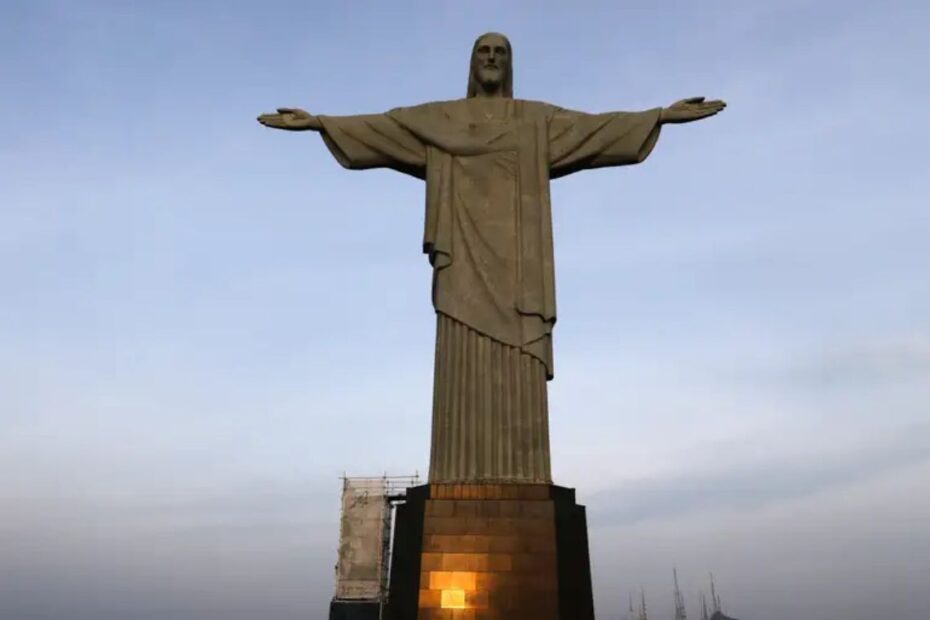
(487, 91)
(497, 93)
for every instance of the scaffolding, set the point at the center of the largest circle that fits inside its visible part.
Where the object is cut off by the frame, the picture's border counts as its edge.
(365, 535)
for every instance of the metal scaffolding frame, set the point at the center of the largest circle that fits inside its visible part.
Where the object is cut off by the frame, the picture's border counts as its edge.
(387, 491)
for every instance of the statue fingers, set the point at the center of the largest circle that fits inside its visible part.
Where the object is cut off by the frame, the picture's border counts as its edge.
(272, 120)
(712, 107)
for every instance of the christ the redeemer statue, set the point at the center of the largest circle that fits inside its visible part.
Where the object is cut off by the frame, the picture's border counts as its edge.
(487, 160)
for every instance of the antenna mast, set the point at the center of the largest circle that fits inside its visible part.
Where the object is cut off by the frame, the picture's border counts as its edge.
(680, 613)
(714, 597)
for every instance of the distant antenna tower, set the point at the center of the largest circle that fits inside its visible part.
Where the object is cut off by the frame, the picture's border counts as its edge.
(642, 605)
(629, 614)
(704, 615)
(714, 597)
(680, 613)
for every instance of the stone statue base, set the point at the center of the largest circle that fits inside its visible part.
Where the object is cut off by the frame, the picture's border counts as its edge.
(490, 551)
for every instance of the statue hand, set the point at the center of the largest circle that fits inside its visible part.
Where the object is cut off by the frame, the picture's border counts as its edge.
(292, 119)
(691, 109)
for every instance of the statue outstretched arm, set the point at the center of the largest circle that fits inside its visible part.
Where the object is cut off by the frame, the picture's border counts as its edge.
(360, 141)
(291, 119)
(581, 141)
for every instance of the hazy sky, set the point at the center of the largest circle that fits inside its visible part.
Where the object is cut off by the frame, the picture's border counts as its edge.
(204, 323)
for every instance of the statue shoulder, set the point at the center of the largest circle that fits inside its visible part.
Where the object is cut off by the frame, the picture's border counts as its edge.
(536, 109)
(458, 109)
(534, 106)
(430, 109)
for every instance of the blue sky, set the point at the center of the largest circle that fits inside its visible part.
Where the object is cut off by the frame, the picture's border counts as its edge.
(205, 323)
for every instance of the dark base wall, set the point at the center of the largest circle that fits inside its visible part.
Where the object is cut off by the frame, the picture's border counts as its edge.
(350, 610)
(500, 551)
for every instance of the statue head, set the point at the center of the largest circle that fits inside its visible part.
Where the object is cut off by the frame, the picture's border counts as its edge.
(491, 71)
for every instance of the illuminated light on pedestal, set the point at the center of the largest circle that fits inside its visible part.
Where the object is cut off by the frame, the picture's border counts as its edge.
(453, 599)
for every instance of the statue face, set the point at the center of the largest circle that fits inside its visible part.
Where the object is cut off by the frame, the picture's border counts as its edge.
(490, 62)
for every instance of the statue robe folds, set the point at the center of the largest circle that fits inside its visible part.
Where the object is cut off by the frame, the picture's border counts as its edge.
(487, 165)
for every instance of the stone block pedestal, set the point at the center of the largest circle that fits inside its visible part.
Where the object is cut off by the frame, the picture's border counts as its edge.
(490, 552)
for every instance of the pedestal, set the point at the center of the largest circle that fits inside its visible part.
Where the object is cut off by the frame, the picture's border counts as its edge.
(490, 552)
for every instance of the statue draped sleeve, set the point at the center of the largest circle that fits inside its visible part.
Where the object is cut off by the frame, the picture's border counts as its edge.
(580, 141)
(374, 141)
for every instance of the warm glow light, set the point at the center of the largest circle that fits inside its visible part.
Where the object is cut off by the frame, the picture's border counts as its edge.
(453, 599)
(452, 580)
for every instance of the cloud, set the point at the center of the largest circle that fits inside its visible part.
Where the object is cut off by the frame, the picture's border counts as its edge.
(746, 483)
(871, 362)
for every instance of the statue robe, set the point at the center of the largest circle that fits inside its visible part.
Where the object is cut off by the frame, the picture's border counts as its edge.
(488, 233)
